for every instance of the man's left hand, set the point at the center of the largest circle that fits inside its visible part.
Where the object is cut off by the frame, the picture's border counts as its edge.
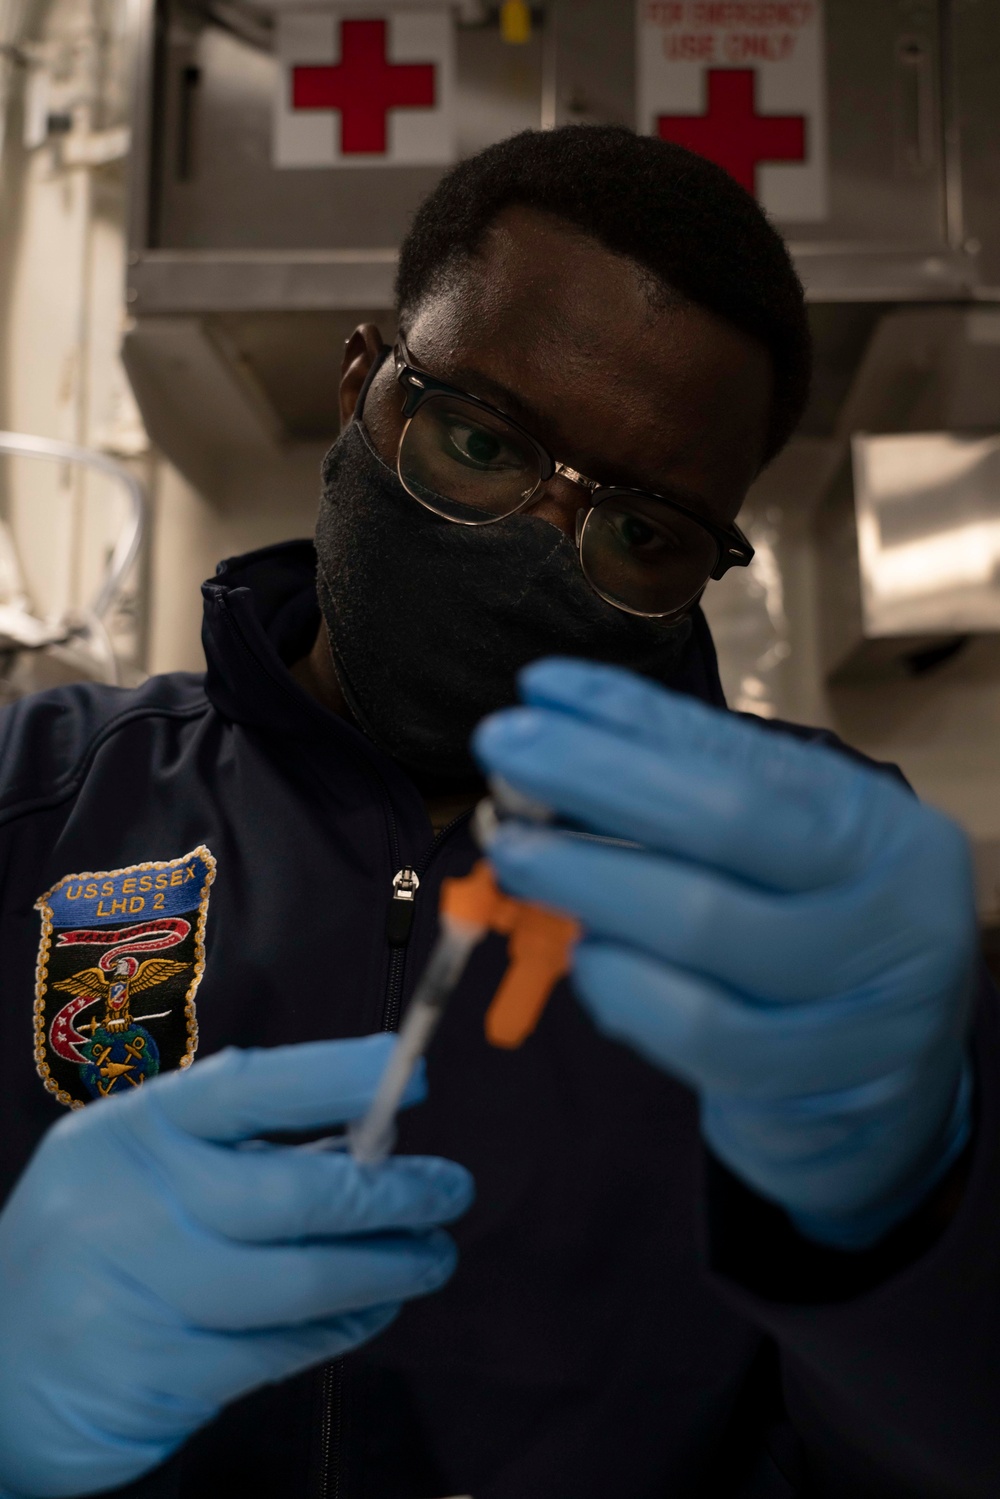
(794, 937)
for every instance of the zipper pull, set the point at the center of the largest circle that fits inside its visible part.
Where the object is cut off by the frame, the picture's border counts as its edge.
(405, 884)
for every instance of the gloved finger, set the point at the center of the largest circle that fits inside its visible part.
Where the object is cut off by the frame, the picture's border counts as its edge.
(718, 1042)
(853, 1149)
(646, 712)
(287, 1193)
(237, 1094)
(618, 699)
(910, 918)
(240, 1286)
(234, 1365)
(231, 1365)
(287, 1350)
(716, 790)
(775, 947)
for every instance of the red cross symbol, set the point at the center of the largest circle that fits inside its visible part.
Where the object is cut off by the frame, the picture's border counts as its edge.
(364, 86)
(732, 133)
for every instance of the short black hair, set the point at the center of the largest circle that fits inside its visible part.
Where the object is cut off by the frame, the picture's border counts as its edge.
(676, 214)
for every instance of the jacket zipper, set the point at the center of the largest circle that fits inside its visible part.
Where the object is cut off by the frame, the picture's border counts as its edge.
(399, 924)
(334, 1373)
(329, 1482)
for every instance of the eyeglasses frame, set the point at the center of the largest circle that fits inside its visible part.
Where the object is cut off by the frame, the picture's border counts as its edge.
(419, 387)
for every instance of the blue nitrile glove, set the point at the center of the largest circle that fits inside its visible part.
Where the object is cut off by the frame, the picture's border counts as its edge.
(151, 1270)
(796, 939)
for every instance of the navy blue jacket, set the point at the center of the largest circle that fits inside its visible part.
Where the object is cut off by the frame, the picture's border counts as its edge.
(626, 1319)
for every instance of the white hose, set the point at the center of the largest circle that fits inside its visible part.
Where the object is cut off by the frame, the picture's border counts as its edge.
(20, 445)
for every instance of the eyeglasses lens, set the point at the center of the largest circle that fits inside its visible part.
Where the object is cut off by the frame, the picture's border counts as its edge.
(465, 463)
(645, 556)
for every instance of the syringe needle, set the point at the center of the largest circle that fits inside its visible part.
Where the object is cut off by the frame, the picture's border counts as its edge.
(371, 1138)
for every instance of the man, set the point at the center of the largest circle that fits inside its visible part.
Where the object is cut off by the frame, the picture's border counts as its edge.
(602, 342)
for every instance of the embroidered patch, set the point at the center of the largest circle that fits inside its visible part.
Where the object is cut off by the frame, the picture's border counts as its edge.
(119, 964)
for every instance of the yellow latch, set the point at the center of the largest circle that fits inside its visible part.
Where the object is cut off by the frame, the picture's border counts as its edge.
(515, 21)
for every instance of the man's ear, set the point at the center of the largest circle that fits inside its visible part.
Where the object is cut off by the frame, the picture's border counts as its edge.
(360, 353)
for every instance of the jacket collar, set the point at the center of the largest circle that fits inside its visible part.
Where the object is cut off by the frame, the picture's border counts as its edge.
(260, 615)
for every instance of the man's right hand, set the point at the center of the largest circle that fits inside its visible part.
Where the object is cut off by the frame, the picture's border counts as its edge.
(152, 1270)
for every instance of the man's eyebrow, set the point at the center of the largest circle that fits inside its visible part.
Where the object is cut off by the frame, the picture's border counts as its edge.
(475, 383)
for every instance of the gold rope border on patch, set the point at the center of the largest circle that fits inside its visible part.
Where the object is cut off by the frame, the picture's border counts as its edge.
(42, 966)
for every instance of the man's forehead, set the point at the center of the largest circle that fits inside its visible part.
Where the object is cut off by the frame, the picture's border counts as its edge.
(537, 285)
(578, 342)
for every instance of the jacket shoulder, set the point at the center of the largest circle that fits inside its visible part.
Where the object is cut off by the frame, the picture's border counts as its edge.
(48, 740)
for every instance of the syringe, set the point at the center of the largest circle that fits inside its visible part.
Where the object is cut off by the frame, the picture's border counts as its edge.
(371, 1138)
(539, 944)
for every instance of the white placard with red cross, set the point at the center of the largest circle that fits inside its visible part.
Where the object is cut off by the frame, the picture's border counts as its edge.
(742, 82)
(357, 88)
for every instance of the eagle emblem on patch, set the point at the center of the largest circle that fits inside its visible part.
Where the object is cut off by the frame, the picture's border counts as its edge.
(119, 963)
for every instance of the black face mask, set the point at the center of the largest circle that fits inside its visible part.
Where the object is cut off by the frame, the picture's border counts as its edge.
(430, 621)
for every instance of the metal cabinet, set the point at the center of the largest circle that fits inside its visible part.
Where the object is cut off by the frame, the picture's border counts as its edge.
(215, 187)
(216, 226)
(205, 184)
(229, 254)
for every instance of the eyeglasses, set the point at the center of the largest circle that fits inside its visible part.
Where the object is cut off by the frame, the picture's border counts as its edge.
(466, 461)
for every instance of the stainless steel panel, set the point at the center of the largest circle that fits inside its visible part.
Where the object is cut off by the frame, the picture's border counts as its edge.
(593, 61)
(241, 386)
(195, 407)
(928, 369)
(143, 91)
(269, 280)
(291, 362)
(908, 542)
(975, 74)
(886, 157)
(928, 513)
(883, 273)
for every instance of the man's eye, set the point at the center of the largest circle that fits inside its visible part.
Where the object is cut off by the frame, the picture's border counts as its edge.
(478, 447)
(640, 535)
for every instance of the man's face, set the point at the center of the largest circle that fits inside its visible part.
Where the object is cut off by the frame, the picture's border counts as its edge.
(575, 343)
